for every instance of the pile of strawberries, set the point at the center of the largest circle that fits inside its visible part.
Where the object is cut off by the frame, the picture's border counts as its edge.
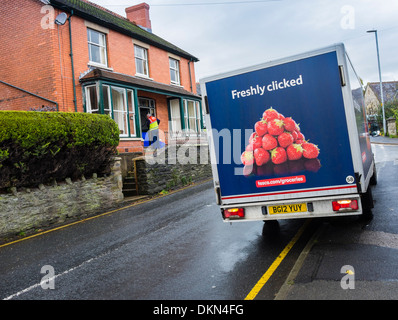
(277, 140)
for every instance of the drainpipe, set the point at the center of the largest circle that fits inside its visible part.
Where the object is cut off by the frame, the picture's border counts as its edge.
(71, 58)
(190, 75)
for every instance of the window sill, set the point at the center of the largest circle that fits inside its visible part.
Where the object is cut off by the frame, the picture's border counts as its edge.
(130, 139)
(97, 65)
(182, 134)
(143, 76)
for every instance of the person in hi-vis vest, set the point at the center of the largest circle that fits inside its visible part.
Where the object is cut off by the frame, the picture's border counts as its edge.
(153, 133)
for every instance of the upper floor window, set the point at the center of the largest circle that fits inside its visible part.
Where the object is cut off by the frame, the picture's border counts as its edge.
(97, 47)
(174, 71)
(141, 60)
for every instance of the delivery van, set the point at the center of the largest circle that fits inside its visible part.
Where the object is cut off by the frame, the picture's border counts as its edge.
(289, 139)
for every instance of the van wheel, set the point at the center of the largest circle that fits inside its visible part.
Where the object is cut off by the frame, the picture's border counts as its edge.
(367, 204)
(271, 228)
(373, 179)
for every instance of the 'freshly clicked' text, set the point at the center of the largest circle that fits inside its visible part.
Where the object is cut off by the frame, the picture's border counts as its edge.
(262, 89)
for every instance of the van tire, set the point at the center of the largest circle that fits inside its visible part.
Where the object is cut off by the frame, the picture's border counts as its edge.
(271, 229)
(373, 178)
(367, 204)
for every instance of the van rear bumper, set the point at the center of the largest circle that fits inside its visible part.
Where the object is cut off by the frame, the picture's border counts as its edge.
(294, 209)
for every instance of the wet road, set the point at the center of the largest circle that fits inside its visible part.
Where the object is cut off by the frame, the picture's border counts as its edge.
(177, 247)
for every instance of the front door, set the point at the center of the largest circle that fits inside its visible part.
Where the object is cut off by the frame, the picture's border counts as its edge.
(146, 106)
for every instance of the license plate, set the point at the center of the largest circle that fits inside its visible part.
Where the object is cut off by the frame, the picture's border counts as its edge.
(288, 208)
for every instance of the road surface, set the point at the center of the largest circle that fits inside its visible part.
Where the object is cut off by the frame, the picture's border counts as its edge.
(177, 248)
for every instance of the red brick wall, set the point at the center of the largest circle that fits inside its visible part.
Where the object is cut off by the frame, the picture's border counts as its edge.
(120, 53)
(159, 69)
(26, 53)
(126, 146)
(38, 60)
(80, 61)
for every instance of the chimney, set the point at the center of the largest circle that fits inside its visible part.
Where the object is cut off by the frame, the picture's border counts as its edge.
(140, 15)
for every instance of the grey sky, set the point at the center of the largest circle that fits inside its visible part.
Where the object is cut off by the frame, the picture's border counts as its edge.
(231, 36)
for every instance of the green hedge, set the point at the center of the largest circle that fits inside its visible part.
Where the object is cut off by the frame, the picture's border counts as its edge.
(38, 147)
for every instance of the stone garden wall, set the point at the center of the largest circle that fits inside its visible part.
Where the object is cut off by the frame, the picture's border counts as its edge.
(174, 167)
(29, 209)
(391, 126)
(25, 210)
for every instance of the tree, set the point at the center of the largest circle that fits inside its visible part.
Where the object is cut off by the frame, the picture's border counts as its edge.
(390, 110)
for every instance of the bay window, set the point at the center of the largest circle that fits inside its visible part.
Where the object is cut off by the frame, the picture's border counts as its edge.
(114, 101)
(190, 121)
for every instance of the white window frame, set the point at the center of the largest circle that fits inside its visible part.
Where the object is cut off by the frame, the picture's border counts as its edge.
(174, 70)
(131, 112)
(103, 52)
(89, 107)
(198, 116)
(192, 117)
(175, 117)
(186, 119)
(121, 113)
(142, 60)
(110, 109)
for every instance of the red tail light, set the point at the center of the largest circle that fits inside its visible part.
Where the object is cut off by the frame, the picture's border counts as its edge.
(344, 205)
(234, 213)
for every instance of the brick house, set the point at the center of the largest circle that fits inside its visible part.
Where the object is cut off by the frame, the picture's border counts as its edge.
(76, 56)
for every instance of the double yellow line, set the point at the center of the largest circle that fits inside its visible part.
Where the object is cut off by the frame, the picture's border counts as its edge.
(102, 214)
(73, 223)
(263, 280)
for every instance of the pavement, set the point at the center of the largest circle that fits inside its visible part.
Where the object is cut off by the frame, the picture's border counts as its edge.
(383, 140)
(334, 266)
(353, 258)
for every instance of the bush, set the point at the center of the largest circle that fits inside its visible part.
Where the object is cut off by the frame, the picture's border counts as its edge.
(390, 110)
(38, 147)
